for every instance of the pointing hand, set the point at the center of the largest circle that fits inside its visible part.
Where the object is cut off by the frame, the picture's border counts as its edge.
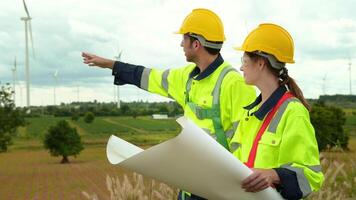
(94, 60)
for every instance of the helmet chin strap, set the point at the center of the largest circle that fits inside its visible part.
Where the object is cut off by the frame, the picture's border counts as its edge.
(206, 43)
(272, 60)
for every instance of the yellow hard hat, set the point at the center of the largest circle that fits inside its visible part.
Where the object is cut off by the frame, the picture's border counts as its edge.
(203, 22)
(271, 39)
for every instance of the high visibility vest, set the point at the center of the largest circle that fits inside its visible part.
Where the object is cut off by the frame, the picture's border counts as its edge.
(214, 103)
(288, 142)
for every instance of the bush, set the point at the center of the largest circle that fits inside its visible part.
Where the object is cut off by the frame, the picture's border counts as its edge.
(89, 117)
(63, 140)
(328, 123)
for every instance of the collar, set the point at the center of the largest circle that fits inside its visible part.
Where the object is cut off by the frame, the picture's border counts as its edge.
(209, 70)
(268, 104)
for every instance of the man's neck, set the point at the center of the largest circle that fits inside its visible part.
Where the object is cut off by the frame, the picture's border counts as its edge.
(204, 61)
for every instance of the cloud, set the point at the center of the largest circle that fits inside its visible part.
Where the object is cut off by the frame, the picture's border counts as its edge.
(323, 32)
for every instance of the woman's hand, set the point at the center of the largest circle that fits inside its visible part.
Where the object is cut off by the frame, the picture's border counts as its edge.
(260, 179)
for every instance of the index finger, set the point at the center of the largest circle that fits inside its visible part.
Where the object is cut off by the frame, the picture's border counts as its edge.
(85, 54)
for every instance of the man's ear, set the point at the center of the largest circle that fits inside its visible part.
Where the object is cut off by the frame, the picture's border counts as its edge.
(197, 44)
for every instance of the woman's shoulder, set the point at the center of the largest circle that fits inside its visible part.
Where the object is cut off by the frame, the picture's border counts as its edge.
(296, 108)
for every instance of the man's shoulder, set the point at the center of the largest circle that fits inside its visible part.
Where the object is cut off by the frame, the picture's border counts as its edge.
(233, 75)
(186, 69)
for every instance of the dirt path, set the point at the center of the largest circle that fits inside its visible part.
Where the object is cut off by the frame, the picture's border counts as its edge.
(124, 125)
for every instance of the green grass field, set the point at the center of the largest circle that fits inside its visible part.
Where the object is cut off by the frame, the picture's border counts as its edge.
(141, 130)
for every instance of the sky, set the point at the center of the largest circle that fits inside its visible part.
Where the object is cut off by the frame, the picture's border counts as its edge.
(324, 34)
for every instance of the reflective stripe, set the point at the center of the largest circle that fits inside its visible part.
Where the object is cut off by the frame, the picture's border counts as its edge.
(187, 89)
(164, 81)
(277, 118)
(144, 78)
(302, 180)
(212, 113)
(217, 88)
(231, 131)
(234, 146)
(206, 130)
(315, 168)
(203, 113)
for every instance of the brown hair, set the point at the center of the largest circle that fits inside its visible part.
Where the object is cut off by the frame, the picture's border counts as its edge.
(284, 78)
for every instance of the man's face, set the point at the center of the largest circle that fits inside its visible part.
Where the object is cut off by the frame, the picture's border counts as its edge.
(188, 48)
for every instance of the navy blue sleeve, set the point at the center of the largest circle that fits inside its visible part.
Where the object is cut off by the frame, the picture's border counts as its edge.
(288, 187)
(126, 73)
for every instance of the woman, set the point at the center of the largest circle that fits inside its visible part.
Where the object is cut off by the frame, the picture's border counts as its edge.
(275, 138)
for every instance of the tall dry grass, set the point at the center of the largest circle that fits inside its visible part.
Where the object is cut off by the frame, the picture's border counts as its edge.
(135, 189)
(339, 170)
(340, 177)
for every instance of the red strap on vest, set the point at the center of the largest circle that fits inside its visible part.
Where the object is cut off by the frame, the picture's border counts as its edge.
(251, 158)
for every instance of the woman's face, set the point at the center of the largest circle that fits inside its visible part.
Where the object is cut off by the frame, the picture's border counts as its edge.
(250, 69)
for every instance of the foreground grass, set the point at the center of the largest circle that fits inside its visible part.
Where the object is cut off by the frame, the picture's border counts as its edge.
(34, 174)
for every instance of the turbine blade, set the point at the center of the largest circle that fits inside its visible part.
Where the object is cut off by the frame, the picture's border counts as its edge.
(24, 4)
(31, 39)
(119, 56)
(56, 73)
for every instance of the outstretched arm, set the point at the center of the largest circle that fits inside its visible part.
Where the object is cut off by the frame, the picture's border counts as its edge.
(94, 60)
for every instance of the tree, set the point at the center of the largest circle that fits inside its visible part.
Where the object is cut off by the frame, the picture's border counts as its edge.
(89, 117)
(125, 109)
(163, 109)
(75, 116)
(10, 117)
(63, 140)
(328, 123)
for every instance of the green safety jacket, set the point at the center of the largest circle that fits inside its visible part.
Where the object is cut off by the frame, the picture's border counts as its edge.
(288, 144)
(214, 102)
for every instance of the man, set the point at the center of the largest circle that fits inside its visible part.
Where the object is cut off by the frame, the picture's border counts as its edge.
(210, 91)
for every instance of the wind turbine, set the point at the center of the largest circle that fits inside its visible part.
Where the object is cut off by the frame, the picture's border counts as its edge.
(13, 69)
(55, 75)
(28, 32)
(116, 88)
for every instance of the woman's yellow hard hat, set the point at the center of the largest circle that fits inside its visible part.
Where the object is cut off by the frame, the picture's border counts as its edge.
(271, 39)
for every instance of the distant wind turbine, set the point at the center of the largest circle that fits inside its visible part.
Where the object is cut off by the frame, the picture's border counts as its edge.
(13, 69)
(116, 88)
(55, 75)
(28, 32)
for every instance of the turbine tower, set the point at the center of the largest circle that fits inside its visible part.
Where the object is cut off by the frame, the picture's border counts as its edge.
(55, 75)
(28, 32)
(13, 69)
(116, 88)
